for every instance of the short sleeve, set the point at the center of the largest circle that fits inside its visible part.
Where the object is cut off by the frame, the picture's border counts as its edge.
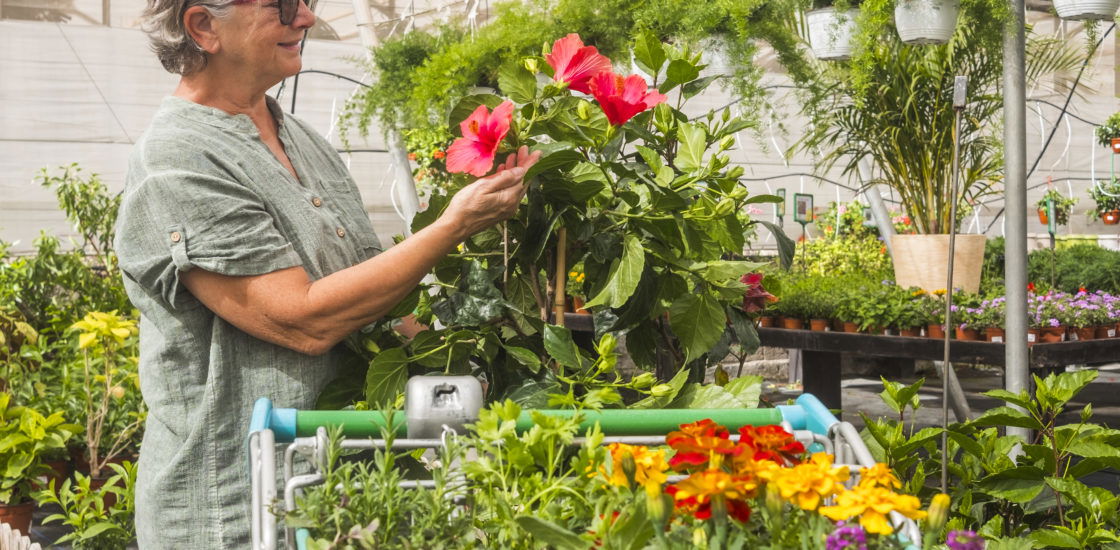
(178, 221)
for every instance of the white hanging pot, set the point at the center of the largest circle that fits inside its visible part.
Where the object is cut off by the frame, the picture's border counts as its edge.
(830, 33)
(926, 21)
(1082, 10)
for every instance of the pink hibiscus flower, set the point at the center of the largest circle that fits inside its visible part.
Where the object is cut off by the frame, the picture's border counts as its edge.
(622, 98)
(483, 131)
(574, 63)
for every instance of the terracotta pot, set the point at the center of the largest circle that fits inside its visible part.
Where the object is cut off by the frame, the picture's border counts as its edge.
(18, 516)
(766, 321)
(577, 305)
(994, 334)
(837, 325)
(967, 334)
(1033, 336)
(60, 470)
(1042, 217)
(1112, 217)
(1051, 334)
(850, 327)
(935, 331)
(922, 260)
(793, 324)
(1105, 331)
(818, 324)
(911, 332)
(1082, 334)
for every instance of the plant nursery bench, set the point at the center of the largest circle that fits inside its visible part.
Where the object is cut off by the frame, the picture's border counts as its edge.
(820, 358)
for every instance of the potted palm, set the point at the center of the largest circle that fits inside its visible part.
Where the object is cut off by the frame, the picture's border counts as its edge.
(28, 436)
(894, 108)
(1062, 207)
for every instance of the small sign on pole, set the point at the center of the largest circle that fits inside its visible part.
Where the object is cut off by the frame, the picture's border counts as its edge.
(780, 206)
(803, 208)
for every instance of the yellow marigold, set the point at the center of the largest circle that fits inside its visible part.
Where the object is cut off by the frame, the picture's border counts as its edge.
(648, 466)
(919, 292)
(879, 475)
(873, 505)
(806, 484)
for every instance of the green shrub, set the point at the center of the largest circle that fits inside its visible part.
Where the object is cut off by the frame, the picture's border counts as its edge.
(1080, 265)
(857, 254)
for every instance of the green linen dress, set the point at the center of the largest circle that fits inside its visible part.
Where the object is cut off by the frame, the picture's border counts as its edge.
(204, 191)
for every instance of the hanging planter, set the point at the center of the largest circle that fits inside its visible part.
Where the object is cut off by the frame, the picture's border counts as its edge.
(830, 33)
(1111, 217)
(1082, 10)
(926, 21)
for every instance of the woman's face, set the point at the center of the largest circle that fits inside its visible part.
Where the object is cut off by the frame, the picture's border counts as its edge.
(266, 50)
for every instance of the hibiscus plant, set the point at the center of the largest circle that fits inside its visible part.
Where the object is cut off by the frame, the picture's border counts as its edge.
(630, 187)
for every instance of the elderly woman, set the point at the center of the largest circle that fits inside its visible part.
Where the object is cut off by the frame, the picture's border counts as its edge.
(247, 250)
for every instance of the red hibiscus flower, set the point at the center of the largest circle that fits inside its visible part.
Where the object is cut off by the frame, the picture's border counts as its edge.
(483, 131)
(574, 63)
(756, 298)
(622, 98)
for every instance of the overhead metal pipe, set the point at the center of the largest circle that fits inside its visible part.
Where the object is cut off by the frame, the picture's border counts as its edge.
(878, 208)
(1016, 373)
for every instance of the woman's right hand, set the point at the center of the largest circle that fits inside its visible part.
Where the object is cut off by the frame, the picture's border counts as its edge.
(492, 199)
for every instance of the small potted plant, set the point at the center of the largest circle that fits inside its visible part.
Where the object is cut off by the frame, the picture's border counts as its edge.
(990, 317)
(1108, 134)
(1063, 205)
(911, 312)
(1107, 199)
(28, 437)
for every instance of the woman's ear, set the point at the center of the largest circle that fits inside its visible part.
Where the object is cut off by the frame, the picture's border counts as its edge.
(199, 24)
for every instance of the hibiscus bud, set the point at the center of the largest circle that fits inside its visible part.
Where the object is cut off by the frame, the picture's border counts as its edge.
(699, 538)
(725, 206)
(938, 511)
(644, 380)
(738, 193)
(726, 143)
(583, 110)
(735, 173)
(661, 390)
(532, 65)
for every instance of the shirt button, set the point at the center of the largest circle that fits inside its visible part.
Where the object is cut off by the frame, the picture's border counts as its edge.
(176, 236)
(341, 232)
(317, 201)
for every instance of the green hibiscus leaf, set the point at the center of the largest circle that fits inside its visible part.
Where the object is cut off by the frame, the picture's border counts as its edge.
(690, 157)
(517, 82)
(625, 272)
(386, 377)
(560, 346)
(698, 321)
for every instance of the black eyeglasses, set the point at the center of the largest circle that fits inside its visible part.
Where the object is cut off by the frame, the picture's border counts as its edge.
(288, 8)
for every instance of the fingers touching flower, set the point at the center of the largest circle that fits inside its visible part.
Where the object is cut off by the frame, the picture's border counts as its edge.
(622, 98)
(483, 131)
(574, 63)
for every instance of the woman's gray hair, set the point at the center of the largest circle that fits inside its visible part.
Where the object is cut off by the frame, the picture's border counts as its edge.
(163, 22)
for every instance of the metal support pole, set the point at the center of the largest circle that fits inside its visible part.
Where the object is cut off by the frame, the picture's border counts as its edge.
(402, 172)
(105, 13)
(1016, 377)
(878, 209)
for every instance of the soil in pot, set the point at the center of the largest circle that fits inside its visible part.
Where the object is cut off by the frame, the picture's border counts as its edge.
(994, 334)
(18, 516)
(967, 334)
(818, 324)
(793, 324)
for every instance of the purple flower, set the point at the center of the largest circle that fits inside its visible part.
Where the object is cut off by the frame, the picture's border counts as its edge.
(964, 540)
(1055, 323)
(846, 537)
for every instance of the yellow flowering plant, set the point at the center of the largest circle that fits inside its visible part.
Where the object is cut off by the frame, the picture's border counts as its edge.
(112, 407)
